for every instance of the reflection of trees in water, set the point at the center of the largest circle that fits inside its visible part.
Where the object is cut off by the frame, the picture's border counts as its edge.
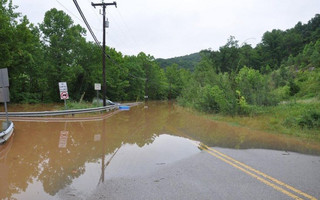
(221, 134)
(35, 154)
(4, 168)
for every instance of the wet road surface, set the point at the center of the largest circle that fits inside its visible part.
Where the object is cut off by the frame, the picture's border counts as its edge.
(157, 152)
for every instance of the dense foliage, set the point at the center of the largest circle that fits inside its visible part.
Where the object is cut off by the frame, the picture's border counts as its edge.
(236, 79)
(38, 57)
(242, 80)
(188, 62)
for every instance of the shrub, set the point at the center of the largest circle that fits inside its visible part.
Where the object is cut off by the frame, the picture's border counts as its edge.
(310, 120)
(255, 87)
(212, 99)
(282, 93)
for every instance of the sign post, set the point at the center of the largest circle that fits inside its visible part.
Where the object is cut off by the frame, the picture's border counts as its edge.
(63, 88)
(4, 92)
(97, 86)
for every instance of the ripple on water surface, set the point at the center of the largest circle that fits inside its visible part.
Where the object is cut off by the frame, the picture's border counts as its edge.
(44, 160)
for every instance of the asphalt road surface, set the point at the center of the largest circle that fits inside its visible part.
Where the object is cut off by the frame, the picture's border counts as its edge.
(217, 173)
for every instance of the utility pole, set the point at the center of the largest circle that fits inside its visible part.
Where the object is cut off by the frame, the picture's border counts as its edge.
(104, 86)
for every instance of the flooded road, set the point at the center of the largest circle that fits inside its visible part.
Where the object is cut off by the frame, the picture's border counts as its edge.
(71, 158)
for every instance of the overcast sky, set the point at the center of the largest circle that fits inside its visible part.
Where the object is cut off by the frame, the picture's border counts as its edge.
(170, 28)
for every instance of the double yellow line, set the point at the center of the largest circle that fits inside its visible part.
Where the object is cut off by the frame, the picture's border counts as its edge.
(264, 178)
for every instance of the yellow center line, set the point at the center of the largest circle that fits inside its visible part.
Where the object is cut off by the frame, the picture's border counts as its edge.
(263, 174)
(238, 165)
(253, 175)
(245, 168)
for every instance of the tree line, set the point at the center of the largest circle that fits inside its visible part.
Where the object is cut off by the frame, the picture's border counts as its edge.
(237, 79)
(40, 56)
(233, 79)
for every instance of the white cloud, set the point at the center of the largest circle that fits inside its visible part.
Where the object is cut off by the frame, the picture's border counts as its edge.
(168, 28)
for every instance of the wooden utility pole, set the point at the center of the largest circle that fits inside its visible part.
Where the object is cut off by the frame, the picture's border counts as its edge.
(104, 86)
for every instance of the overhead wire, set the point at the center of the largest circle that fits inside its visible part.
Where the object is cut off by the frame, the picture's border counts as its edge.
(123, 31)
(96, 40)
(68, 10)
(127, 27)
(97, 16)
(86, 23)
(93, 11)
(122, 34)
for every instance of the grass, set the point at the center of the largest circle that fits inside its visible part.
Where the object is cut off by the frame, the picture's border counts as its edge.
(299, 119)
(76, 105)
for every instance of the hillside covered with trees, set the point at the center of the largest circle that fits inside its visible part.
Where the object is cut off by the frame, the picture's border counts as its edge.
(188, 62)
(233, 80)
(241, 80)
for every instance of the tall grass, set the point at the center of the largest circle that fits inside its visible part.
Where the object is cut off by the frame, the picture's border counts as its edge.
(76, 105)
(299, 119)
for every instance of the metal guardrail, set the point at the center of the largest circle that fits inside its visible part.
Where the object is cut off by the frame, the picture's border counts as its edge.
(65, 112)
(59, 112)
(6, 134)
(71, 119)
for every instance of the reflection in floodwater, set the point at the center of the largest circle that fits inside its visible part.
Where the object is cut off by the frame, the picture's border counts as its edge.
(54, 160)
(4, 166)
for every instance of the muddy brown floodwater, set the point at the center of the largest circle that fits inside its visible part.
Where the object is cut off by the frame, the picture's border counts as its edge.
(51, 159)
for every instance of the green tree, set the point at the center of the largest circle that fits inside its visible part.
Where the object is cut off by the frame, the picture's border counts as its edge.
(272, 48)
(136, 78)
(156, 86)
(116, 76)
(28, 81)
(229, 56)
(89, 58)
(175, 82)
(21, 52)
(6, 34)
(254, 87)
(249, 57)
(63, 41)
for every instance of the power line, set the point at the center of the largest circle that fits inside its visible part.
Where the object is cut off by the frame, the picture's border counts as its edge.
(127, 27)
(68, 10)
(86, 22)
(97, 41)
(104, 6)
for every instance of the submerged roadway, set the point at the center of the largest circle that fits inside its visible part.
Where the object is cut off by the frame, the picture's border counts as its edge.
(167, 165)
(217, 173)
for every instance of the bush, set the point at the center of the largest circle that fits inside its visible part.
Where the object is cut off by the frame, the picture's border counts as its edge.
(303, 117)
(293, 88)
(254, 87)
(76, 105)
(309, 83)
(212, 99)
(282, 93)
(244, 108)
(310, 120)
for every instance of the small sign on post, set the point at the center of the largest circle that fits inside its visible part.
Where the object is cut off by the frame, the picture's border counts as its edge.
(4, 95)
(4, 91)
(4, 78)
(97, 86)
(63, 88)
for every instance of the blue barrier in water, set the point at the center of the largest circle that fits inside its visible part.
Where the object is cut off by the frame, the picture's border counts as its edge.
(124, 107)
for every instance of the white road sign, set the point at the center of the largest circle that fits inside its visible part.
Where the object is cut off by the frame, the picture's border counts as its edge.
(63, 87)
(64, 95)
(97, 86)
